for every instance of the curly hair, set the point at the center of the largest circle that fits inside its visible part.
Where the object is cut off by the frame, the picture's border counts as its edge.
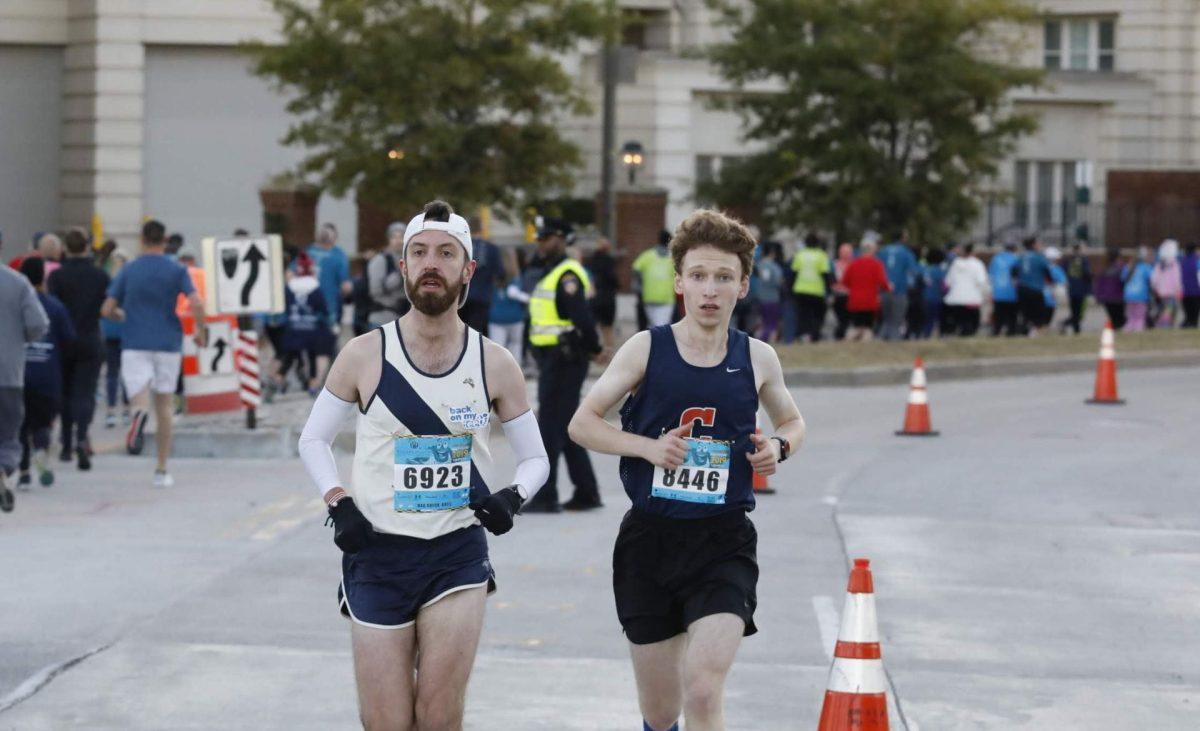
(707, 227)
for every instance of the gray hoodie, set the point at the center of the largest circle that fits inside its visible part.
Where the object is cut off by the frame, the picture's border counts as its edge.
(22, 320)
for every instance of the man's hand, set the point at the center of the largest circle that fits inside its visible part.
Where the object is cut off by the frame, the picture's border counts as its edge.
(765, 456)
(496, 511)
(669, 450)
(201, 336)
(351, 529)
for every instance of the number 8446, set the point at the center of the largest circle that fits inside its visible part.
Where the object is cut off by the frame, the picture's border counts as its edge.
(683, 478)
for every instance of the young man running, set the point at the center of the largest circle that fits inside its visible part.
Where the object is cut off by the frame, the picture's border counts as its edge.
(684, 565)
(415, 570)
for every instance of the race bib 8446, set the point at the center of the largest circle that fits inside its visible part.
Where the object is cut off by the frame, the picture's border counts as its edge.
(702, 478)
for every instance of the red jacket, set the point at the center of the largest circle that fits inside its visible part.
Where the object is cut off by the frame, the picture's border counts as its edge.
(865, 278)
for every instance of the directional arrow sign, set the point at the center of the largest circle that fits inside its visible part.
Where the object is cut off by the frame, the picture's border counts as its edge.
(245, 275)
(255, 257)
(217, 357)
(218, 346)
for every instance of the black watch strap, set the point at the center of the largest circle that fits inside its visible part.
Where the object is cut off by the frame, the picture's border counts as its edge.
(785, 447)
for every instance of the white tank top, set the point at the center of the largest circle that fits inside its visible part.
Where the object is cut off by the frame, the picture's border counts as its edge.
(421, 445)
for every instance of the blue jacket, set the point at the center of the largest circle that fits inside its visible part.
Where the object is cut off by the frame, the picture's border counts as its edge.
(1032, 270)
(43, 357)
(1000, 271)
(901, 265)
(1079, 277)
(1137, 282)
(935, 282)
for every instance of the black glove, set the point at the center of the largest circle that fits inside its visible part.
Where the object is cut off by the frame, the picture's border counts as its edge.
(351, 529)
(496, 511)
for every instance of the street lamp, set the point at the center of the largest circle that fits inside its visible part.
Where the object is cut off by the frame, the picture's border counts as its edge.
(632, 154)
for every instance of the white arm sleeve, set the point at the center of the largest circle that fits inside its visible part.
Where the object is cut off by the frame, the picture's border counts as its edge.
(513, 292)
(533, 467)
(324, 421)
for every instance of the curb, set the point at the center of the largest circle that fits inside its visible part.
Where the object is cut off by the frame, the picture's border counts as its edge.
(262, 443)
(973, 370)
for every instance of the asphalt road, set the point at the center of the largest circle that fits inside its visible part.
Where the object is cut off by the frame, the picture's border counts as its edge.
(1036, 567)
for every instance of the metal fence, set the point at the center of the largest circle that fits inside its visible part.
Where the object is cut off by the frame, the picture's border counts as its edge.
(1094, 224)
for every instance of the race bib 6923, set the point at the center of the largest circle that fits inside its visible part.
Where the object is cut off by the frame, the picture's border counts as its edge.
(432, 473)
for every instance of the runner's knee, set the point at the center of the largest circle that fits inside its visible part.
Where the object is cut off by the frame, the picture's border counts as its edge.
(702, 694)
(386, 719)
(440, 712)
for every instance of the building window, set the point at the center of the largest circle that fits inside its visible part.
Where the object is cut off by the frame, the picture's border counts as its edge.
(1047, 193)
(1053, 44)
(646, 30)
(1079, 44)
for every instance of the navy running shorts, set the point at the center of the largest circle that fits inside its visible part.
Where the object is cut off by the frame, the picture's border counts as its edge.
(387, 583)
(667, 573)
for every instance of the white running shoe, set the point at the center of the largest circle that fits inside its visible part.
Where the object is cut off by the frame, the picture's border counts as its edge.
(163, 479)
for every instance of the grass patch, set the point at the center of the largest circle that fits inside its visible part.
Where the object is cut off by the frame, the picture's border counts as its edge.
(844, 355)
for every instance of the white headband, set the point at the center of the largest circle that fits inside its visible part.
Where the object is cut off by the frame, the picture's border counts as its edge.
(457, 227)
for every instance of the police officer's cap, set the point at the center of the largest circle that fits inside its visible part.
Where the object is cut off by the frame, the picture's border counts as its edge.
(548, 226)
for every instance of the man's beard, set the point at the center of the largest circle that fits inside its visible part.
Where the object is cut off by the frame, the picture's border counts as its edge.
(432, 303)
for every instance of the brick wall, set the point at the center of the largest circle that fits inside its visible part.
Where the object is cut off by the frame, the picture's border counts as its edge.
(291, 213)
(641, 215)
(1147, 206)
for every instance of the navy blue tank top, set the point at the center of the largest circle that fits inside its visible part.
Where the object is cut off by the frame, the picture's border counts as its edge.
(720, 402)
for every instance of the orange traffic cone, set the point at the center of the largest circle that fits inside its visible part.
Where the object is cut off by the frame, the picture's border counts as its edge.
(1106, 370)
(856, 695)
(759, 482)
(916, 416)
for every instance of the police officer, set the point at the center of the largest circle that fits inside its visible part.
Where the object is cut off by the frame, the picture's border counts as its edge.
(563, 337)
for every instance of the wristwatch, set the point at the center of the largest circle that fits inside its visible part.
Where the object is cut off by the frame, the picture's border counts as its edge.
(785, 448)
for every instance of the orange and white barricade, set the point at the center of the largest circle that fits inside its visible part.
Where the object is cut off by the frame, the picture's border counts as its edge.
(210, 381)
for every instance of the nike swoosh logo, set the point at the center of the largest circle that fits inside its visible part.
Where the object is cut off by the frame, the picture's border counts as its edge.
(732, 370)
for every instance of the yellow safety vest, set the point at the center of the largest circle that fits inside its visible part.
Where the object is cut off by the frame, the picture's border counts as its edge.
(545, 324)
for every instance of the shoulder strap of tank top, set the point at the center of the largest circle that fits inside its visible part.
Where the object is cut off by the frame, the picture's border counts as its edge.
(393, 351)
(738, 349)
(664, 355)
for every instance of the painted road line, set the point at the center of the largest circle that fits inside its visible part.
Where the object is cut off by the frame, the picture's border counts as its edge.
(265, 515)
(307, 510)
(827, 621)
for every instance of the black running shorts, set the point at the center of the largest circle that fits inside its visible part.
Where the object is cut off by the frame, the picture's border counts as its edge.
(1033, 306)
(667, 573)
(389, 582)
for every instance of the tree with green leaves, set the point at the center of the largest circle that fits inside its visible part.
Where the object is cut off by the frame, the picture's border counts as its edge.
(404, 101)
(883, 114)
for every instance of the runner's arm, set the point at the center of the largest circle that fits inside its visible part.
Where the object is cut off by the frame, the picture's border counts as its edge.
(334, 404)
(197, 306)
(588, 427)
(520, 427)
(776, 399)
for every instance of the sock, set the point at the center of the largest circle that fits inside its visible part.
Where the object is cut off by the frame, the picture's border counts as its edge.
(646, 726)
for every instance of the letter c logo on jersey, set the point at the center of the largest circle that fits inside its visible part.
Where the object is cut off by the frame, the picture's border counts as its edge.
(707, 416)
